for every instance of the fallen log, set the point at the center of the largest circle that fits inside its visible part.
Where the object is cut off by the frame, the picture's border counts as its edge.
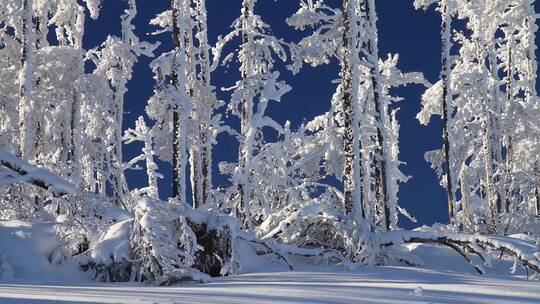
(524, 252)
(22, 171)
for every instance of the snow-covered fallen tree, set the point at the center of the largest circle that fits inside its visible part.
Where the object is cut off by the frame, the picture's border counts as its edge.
(16, 170)
(484, 247)
(315, 228)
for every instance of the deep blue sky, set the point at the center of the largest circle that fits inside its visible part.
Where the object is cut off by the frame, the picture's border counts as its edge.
(413, 34)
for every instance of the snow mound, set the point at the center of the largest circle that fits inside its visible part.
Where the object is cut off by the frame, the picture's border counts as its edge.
(113, 245)
(25, 250)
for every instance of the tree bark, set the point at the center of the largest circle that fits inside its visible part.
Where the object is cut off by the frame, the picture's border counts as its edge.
(537, 198)
(195, 130)
(177, 167)
(352, 174)
(346, 88)
(464, 198)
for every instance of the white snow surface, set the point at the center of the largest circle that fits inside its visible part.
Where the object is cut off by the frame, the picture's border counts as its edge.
(26, 248)
(370, 285)
(30, 278)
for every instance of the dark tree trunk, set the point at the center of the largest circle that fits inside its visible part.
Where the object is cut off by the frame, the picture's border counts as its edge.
(537, 197)
(347, 99)
(177, 188)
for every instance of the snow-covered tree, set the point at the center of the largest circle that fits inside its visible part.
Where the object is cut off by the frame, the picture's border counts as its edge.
(114, 60)
(142, 133)
(50, 73)
(163, 244)
(184, 110)
(363, 114)
(26, 82)
(258, 86)
(446, 8)
(481, 106)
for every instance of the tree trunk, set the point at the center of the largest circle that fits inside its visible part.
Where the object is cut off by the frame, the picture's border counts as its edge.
(119, 180)
(178, 162)
(195, 143)
(464, 198)
(447, 105)
(245, 121)
(38, 135)
(537, 198)
(76, 139)
(36, 176)
(487, 150)
(206, 112)
(346, 88)
(509, 145)
(26, 82)
(352, 174)
(495, 136)
(383, 173)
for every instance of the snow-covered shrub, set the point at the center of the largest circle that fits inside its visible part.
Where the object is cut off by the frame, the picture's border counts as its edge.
(164, 245)
(109, 257)
(318, 224)
(86, 218)
(71, 241)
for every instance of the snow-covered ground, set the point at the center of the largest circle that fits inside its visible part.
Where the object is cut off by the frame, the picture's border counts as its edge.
(26, 276)
(377, 285)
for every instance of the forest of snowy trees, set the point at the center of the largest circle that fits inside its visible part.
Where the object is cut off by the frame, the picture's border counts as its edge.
(325, 191)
